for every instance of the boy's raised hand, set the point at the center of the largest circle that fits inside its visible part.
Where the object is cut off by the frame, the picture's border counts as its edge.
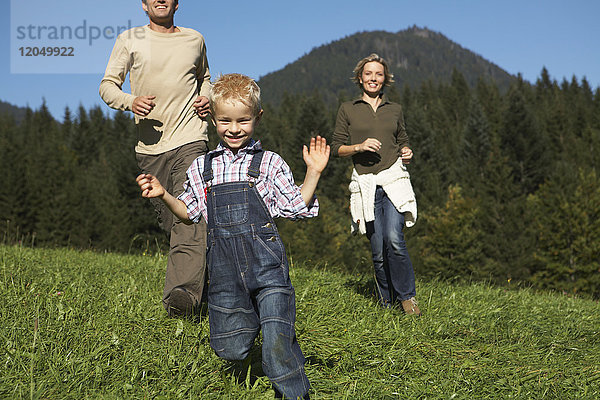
(316, 155)
(150, 186)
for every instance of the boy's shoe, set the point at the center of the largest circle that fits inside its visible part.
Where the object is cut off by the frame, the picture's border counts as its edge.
(181, 303)
(410, 307)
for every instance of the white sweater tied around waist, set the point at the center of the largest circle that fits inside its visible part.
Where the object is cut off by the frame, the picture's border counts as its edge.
(395, 181)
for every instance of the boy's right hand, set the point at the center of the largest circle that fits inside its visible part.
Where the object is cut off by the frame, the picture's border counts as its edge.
(150, 186)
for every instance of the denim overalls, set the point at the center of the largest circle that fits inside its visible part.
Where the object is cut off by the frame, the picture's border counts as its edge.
(249, 287)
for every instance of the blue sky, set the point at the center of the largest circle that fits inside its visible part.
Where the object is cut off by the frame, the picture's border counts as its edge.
(258, 37)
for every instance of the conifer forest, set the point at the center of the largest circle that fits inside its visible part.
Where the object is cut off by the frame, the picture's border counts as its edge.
(506, 182)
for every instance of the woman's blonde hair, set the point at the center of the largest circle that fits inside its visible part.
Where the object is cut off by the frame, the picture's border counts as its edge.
(389, 77)
(236, 87)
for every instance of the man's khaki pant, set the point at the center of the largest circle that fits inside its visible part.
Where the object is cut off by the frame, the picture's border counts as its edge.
(186, 265)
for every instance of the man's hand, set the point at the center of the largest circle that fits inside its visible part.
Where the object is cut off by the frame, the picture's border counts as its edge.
(201, 106)
(143, 105)
(150, 186)
(317, 156)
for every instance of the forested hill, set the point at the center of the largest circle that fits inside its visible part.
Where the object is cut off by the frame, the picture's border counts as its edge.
(18, 113)
(415, 55)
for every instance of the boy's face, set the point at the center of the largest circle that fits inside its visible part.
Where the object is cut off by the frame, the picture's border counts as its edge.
(235, 123)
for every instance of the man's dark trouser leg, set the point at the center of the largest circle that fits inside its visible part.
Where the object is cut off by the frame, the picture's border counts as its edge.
(186, 265)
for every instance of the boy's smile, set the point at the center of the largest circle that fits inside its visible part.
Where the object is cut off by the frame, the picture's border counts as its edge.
(235, 123)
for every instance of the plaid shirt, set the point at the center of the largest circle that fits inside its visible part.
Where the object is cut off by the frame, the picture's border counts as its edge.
(275, 185)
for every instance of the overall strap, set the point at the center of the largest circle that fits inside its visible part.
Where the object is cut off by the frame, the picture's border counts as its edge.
(254, 169)
(207, 174)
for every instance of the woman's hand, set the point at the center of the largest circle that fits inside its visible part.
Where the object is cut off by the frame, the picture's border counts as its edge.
(370, 144)
(406, 154)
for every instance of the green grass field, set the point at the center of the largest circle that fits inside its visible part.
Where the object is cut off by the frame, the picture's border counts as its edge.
(82, 325)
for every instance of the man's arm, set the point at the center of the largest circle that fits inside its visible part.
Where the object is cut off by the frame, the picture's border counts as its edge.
(201, 104)
(111, 85)
(203, 73)
(203, 76)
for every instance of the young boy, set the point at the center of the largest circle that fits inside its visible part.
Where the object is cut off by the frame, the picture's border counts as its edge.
(239, 188)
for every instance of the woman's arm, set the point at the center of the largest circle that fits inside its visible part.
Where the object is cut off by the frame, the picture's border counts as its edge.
(370, 144)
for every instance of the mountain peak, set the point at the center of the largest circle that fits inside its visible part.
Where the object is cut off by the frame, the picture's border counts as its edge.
(415, 55)
(421, 32)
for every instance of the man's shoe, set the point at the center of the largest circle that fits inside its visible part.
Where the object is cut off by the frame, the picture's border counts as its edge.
(410, 307)
(181, 303)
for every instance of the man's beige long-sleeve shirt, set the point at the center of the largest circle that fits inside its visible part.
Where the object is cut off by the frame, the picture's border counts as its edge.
(171, 66)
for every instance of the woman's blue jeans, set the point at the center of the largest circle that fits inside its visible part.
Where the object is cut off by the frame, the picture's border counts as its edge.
(394, 274)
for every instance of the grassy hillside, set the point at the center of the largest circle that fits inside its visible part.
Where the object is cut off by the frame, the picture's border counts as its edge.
(84, 325)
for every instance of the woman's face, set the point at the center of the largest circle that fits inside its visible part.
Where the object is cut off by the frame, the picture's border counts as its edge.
(372, 78)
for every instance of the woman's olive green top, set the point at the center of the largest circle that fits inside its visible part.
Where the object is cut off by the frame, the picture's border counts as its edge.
(356, 122)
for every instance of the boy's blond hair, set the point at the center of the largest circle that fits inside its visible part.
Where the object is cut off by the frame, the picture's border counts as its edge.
(236, 87)
(389, 77)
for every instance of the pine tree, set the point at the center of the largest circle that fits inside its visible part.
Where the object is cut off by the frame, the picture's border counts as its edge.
(58, 164)
(451, 248)
(523, 141)
(426, 167)
(313, 119)
(502, 220)
(281, 126)
(567, 226)
(40, 140)
(434, 143)
(11, 184)
(458, 98)
(476, 144)
(488, 96)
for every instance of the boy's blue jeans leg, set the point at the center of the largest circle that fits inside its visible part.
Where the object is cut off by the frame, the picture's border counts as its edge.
(394, 274)
(234, 328)
(238, 308)
(283, 361)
